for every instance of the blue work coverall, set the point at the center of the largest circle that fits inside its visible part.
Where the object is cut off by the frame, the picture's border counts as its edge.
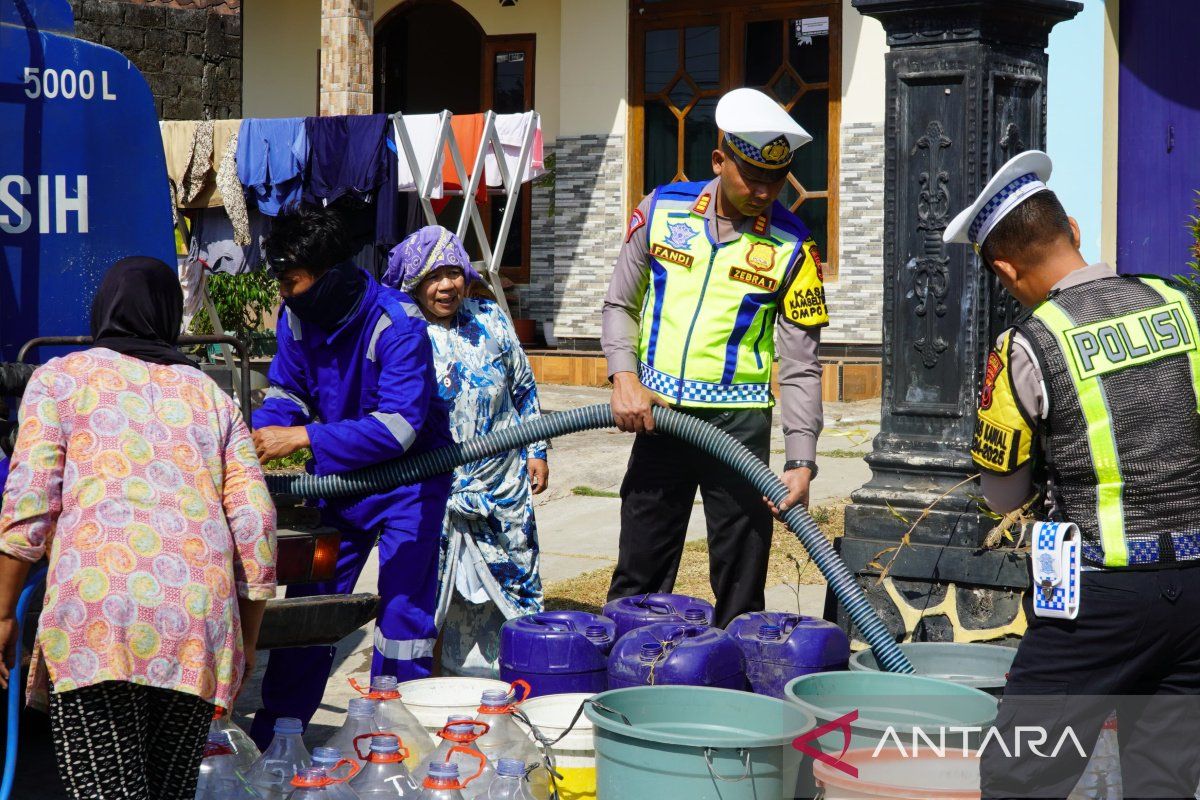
(367, 394)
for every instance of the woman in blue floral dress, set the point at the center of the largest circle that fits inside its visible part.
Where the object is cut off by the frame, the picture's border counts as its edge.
(489, 561)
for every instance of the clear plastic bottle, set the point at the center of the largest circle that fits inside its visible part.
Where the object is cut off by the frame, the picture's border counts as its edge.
(505, 738)
(245, 752)
(510, 782)
(443, 781)
(360, 720)
(219, 777)
(458, 746)
(330, 759)
(394, 717)
(271, 775)
(310, 784)
(384, 775)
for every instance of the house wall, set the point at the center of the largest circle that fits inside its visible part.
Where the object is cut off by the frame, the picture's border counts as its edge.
(855, 296)
(281, 56)
(190, 57)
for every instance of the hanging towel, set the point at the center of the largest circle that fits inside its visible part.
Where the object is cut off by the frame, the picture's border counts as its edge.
(422, 132)
(468, 132)
(346, 155)
(511, 130)
(215, 248)
(193, 151)
(271, 158)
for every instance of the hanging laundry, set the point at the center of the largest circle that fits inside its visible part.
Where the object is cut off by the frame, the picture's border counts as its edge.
(346, 155)
(468, 133)
(511, 130)
(422, 132)
(215, 248)
(231, 189)
(389, 225)
(271, 157)
(193, 151)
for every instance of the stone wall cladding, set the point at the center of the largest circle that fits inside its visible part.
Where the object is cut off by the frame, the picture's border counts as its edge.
(585, 231)
(856, 297)
(537, 297)
(190, 51)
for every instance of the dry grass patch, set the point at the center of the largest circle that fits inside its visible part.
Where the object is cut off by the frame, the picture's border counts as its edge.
(587, 592)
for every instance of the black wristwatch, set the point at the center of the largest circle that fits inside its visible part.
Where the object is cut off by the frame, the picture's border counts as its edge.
(798, 463)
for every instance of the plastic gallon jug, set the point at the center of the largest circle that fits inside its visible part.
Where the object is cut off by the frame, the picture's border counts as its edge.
(779, 647)
(506, 739)
(557, 652)
(245, 752)
(219, 777)
(313, 783)
(444, 782)
(510, 782)
(271, 775)
(360, 720)
(458, 747)
(384, 774)
(330, 759)
(394, 717)
(647, 609)
(685, 655)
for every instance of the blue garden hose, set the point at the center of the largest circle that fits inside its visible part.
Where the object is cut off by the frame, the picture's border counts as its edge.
(16, 688)
(694, 431)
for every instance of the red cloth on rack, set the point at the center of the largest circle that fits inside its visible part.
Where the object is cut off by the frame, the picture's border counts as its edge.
(468, 132)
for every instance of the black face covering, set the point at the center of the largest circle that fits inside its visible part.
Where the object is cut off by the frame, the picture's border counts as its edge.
(138, 310)
(332, 299)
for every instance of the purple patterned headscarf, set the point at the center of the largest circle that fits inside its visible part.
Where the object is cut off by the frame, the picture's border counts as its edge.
(411, 261)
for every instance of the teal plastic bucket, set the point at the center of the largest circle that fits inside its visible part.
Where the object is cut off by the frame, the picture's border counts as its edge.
(695, 743)
(891, 705)
(980, 666)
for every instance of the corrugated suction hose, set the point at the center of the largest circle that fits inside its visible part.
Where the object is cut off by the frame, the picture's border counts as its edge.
(695, 432)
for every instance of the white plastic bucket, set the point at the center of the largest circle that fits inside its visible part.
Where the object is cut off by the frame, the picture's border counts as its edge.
(897, 776)
(575, 755)
(431, 700)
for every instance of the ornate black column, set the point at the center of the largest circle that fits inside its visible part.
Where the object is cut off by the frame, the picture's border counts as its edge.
(966, 90)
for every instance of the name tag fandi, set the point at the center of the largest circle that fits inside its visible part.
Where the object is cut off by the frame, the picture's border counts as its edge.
(1114, 344)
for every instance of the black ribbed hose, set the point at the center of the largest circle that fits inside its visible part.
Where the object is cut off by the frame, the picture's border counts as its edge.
(695, 432)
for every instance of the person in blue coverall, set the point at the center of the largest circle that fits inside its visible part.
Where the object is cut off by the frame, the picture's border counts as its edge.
(353, 379)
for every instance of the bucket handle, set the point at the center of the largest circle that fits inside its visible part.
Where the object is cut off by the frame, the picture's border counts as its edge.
(601, 707)
(708, 754)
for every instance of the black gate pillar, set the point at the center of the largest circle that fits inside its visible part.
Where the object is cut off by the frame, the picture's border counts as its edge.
(966, 91)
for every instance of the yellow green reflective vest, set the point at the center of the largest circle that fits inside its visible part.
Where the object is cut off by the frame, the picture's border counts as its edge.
(1120, 362)
(708, 317)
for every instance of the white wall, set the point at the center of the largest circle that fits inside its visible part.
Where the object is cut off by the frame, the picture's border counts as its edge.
(595, 67)
(863, 47)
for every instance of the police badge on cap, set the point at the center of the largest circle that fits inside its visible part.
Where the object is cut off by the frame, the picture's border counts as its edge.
(760, 132)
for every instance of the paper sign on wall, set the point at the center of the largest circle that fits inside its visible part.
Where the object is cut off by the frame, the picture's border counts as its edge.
(814, 26)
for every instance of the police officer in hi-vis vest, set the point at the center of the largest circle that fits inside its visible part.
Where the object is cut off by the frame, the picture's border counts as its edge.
(689, 322)
(1091, 402)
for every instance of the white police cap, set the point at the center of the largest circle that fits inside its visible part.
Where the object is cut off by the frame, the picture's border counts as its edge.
(758, 129)
(1024, 175)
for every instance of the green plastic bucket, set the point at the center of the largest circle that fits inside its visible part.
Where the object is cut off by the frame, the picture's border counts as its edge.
(695, 743)
(890, 701)
(980, 666)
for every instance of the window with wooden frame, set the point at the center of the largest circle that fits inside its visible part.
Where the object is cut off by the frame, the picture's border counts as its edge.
(684, 54)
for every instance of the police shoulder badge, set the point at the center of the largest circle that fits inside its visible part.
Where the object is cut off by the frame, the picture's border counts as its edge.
(803, 300)
(702, 204)
(636, 220)
(1003, 437)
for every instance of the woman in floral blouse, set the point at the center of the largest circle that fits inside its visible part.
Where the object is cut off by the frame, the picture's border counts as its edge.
(137, 477)
(489, 562)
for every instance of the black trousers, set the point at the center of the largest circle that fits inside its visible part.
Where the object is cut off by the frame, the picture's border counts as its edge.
(656, 501)
(124, 741)
(1133, 649)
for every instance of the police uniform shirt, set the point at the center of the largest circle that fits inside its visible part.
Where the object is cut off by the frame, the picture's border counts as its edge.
(799, 366)
(1006, 493)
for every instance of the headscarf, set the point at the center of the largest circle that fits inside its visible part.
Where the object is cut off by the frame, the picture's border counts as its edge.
(138, 311)
(411, 261)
